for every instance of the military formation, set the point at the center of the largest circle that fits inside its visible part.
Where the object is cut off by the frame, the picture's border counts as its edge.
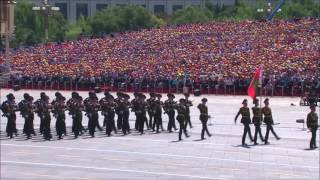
(148, 114)
(264, 115)
(260, 115)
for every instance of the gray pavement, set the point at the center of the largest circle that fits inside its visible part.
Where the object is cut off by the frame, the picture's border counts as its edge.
(160, 156)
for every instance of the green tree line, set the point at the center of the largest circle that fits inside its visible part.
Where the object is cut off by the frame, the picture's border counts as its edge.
(30, 24)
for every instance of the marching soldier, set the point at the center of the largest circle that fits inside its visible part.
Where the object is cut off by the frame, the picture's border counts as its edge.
(107, 107)
(38, 105)
(312, 124)
(9, 109)
(103, 105)
(134, 104)
(144, 110)
(158, 113)
(181, 117)
(45, 117)
(59, 108)
(141, 107)
(110, 117)
(188, 104)
(266, 111)
(26, 109)
(81, 107)
(75, 107)
(137, 109)
(92, 107)
(204, 117)
(124, 108)
(119, 112)
(168, 108)
(245, 120)
(151, 103)
(257, 120)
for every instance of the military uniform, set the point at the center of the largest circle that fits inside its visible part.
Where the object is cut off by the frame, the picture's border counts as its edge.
(103, 107)
(158, 114)
(108, 110)
(8, 108)
(118, 110)
(26, 108)
(204, 117)
(268, 120)
(124, 106)
(312, 124)
(169, 109)
(45, 117)
(256, 120)
(151, 104)
(59, 108)
(181, 117)
(38, 106)
(245, 120)
(92, 107)
(134, 104)
(140, 110)
(75, 107)
(188, 104)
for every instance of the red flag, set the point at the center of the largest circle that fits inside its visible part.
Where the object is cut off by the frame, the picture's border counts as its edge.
(253, 87)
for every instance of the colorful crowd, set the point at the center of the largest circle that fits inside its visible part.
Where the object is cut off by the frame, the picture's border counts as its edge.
(289, 52)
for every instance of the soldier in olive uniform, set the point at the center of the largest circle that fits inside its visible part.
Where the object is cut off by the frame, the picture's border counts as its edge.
(26, 109)
(92, 107)
(134, 104)
(266, 111)
(257, 120)
(46, 117)
(312, 124)
(107, 107)
(125, 105)
(38, 106)
(245, 120)
(118, 111)
(158, 114)
(188, 104)
(151, 103)
(141, 110)
(103, 106)
(9, 109)
(81, 107)
(75, 107)
(204, 117)
(181, 117)
(59, 108)
(168, 108)
(110, 117)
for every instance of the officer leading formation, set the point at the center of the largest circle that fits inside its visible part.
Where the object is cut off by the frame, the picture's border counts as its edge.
(154, 107)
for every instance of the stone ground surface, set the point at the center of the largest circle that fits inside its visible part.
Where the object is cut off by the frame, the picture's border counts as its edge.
(160, 156)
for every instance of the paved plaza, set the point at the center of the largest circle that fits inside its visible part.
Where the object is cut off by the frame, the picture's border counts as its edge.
(161, 156)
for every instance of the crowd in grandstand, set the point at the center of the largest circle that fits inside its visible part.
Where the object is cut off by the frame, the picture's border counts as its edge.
(217, 53)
